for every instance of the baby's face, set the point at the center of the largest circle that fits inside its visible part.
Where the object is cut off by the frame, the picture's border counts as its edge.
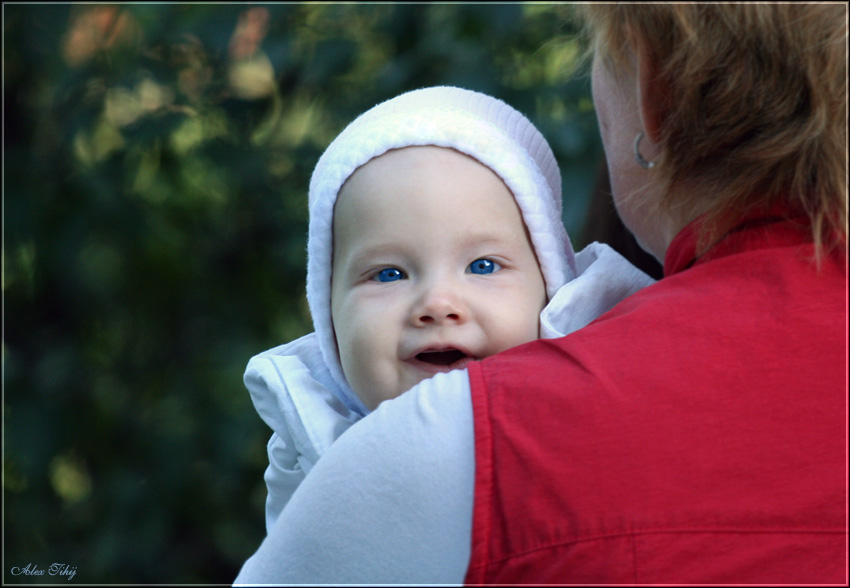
(432, 268)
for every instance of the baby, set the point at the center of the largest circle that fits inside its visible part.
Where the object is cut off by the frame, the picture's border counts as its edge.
(435, 239)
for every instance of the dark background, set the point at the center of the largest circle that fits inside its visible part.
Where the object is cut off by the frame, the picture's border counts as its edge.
(156, 164)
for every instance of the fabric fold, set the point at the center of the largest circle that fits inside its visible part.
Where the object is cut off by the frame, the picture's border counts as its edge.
(293, 392)
(604, 279)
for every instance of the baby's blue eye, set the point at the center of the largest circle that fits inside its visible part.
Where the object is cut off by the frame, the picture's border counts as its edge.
(484, 266)
(390, 274)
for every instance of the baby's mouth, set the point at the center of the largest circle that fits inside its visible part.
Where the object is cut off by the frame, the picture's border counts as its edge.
(446, 357)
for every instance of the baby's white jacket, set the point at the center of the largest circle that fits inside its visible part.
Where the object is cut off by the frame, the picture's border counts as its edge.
(293, 390)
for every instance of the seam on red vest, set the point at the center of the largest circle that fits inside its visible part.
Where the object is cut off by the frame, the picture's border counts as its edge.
(634, 560)
(672, 530)
(483, 499)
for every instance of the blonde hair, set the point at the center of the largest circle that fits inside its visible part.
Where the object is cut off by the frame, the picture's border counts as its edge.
(757, 110)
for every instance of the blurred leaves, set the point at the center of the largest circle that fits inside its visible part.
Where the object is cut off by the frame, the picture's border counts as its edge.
(157, 159)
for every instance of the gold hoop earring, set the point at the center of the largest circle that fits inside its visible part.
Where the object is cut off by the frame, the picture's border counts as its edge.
(638, 157)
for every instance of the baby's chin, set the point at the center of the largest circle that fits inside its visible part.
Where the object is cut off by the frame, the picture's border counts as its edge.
(384, 395)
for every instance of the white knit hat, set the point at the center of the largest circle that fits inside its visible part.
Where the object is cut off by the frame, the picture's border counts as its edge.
(478, 125)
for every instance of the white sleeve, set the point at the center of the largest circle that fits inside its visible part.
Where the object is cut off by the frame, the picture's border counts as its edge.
(389, 503)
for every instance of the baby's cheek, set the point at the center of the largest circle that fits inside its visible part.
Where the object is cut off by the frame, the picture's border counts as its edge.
(525, 331)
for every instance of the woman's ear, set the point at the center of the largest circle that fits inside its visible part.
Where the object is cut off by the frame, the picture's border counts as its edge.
(652, 92)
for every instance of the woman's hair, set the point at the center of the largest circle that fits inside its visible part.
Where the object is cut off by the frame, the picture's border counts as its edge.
(757, 108)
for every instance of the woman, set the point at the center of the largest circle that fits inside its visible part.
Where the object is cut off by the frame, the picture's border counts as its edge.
(695, 433)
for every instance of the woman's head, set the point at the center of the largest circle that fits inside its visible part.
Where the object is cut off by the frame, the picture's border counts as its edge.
(745, 104)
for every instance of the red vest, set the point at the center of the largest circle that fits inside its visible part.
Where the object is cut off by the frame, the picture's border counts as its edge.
(696, 433)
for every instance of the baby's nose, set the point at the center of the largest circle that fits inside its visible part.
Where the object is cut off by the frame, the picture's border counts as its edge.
(438, 307)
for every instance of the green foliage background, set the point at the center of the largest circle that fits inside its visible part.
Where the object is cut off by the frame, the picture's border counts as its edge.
(157, 159)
